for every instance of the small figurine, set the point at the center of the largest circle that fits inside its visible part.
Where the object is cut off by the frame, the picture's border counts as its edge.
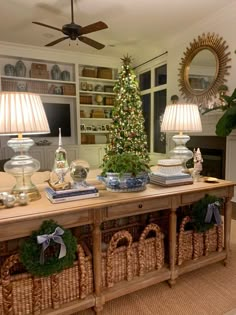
(197, 160)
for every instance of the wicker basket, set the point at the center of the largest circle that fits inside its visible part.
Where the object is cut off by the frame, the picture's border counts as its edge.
(37, 87)
(192, 245)
(9, 85)
(117, 261)
(149, 252)
(27, 294)
(89, 72)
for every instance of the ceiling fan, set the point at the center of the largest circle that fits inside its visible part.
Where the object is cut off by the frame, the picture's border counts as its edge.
(74, 31)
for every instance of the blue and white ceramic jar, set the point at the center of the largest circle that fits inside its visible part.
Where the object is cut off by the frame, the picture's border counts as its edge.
(20, 69)
(9, 70)
(56, 72)
(65, 75)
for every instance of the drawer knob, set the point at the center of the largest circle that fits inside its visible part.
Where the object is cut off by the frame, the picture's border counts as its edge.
(140, 206)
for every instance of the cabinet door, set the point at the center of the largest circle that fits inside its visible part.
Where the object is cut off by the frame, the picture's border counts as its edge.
(72, 153)
(93, 154)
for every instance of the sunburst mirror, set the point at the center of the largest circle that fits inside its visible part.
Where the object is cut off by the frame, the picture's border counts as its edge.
(203, 68)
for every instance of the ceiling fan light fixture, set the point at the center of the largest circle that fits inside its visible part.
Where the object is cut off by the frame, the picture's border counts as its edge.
(74, 31)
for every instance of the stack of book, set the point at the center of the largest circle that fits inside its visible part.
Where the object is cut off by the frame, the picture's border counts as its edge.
(57, 196)
(170, 180)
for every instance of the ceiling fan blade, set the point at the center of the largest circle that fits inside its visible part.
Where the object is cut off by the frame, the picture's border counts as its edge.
(57, 41)
(91, 42)
(93, 27)
(49, 26)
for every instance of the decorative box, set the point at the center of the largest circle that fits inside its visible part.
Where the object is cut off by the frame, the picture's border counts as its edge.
(39, 74)
(68, 89)
(108, 101)
(86, 99)
(104, 73)
(108, 88)
(89, 72)
(87, 139)
(38, 66)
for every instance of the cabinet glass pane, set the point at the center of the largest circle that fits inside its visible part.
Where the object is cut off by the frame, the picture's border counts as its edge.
(160, 75)
(146, 99)
(159, 108)
(145, 80)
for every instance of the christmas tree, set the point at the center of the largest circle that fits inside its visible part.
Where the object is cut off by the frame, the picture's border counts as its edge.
(127, 134)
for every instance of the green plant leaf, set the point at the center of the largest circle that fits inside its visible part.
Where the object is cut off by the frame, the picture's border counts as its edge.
(227, 122)
(230, 100)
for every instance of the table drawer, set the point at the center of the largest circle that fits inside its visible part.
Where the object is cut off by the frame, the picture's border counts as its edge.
(67, 220)
(138, 207)
(195, 196)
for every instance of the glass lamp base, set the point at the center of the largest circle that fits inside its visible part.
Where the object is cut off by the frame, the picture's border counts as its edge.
(180, 151)
(22, 166)
(32, 193)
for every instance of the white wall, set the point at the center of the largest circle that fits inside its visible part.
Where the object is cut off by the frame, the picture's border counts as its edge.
(222, 23)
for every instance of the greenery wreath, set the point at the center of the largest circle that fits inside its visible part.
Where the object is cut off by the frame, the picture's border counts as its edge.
(199, 211)
(31, 251)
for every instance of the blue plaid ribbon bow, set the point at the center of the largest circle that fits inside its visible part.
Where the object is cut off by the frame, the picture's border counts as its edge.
(213, 210)
(45, 241)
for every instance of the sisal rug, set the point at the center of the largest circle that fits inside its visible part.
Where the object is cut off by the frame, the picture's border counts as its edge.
(208, 291)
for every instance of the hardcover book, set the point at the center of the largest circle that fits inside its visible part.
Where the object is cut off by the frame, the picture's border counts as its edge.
(72, 198)
(70, 192)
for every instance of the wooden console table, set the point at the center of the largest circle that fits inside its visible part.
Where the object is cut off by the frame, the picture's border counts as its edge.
(19, 222)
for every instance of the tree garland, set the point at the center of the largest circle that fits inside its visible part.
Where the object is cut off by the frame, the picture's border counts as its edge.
(199, 212)
(31, 251)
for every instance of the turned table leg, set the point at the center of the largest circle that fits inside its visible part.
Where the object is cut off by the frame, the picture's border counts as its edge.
(97, 267)
(227, 227)
(172, 247)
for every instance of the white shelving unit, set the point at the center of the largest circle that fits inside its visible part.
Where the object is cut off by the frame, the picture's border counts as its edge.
(76, 145)
(96, 101)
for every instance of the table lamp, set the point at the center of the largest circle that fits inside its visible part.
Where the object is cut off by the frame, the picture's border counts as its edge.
(22, 113)
(181, 118)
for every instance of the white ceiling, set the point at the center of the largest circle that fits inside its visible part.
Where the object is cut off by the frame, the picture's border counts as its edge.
(134, 25)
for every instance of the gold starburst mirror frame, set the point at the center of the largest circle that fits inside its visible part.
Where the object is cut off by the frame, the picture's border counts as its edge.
(203, 68)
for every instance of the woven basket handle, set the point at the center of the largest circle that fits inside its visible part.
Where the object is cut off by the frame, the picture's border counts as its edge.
(158, 247)
(180, 238)
(116, 238)
(150, 227)
(7, 295)
(83, 279)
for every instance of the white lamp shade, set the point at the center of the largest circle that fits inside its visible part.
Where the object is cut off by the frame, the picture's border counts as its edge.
(180, 118)
(22, 113)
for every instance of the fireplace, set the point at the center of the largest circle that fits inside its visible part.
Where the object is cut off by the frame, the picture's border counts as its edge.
(213, 151)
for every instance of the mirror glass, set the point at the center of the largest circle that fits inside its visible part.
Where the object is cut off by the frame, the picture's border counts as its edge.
(202, 70)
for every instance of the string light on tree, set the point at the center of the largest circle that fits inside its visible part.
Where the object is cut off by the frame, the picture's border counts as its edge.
(127, 133)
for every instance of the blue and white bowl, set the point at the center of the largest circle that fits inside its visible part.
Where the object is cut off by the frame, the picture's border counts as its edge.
(125, 183)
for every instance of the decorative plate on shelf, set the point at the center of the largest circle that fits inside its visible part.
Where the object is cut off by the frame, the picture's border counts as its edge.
(43, 142)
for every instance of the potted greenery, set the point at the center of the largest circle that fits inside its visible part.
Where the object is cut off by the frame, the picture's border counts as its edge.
(125, 172)
(228, 105)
